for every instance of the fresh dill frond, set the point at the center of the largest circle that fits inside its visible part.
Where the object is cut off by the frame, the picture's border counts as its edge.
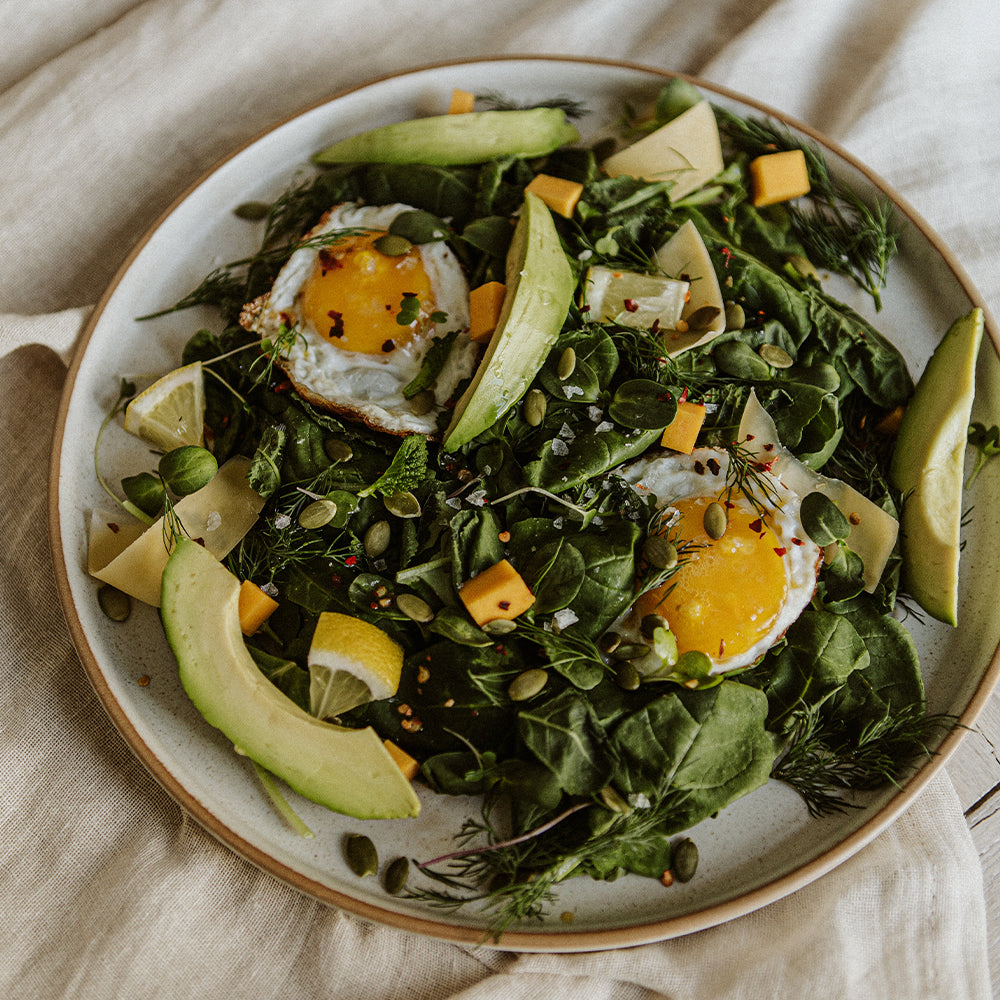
(822, 761)
(495, 101)
(746, 476)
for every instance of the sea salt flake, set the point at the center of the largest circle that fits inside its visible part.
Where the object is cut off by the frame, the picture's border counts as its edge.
(477, 497)
(595, 413)
(569, 391)
(564, 618)
(567, 433)
(604, 426)
(282, 521)
(585, 255)
(213, 520)
(454, 502)
(557, 523)
(559, 447)
(270, 589)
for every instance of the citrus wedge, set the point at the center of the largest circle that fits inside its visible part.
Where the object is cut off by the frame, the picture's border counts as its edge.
(171, 412)
(633, 299)
(350, 662)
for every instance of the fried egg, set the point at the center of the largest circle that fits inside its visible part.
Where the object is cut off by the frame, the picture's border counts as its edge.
(342, 300)
(734, 597)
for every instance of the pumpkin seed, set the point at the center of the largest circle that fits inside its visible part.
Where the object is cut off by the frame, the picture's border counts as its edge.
(252, 211)
(702, 318)
(736, 317)
(377, 538)
(317, 513)
(114, 603)
(500, 626)
(775, 356)
(685, 860)
(650, 623)
(567, 364)
(415, 608)
(392, 245)
(629, 651)
(402, 505)
(660, 552)
(716, 520)
(739, 359)
(611, 799)
(337, 450)
(423, 402)
(609, 642)
(527, 684)
(361, 856)
(626, 676)
(535, 405)
(396, 875)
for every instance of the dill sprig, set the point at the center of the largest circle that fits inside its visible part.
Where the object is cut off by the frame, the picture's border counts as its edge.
(748, 477)
(822, 761)
(495, 101)
(839, 231)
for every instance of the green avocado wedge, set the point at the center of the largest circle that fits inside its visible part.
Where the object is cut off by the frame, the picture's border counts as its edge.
(456, 140)
(346, 770)
(928, 468)
(540, 285)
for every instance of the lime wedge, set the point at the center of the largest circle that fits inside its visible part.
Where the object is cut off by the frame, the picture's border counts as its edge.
(350, 662)
(928, 467)
(171, 412)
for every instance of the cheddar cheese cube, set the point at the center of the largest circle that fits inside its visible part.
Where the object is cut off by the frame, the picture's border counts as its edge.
(681, 434)
(559, 194)
(462, 102)
(497, 592)
(255, 607)
(779, 177)
(485, 304)
(407, 764)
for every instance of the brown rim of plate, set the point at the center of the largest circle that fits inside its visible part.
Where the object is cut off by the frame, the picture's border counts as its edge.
(559, 939)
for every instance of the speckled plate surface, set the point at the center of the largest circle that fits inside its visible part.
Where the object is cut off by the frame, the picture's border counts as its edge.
(759, 849)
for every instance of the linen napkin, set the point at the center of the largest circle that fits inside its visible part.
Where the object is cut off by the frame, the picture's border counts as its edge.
(106, 888)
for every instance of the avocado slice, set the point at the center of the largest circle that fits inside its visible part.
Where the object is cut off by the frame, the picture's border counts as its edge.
(346, 770)
(540, 285)
(928, 468)
(454, 140)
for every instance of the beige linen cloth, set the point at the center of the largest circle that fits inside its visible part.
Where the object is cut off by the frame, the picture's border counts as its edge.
(107, 111)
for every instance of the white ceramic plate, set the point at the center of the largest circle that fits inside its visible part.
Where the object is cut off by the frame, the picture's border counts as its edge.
(759, 849)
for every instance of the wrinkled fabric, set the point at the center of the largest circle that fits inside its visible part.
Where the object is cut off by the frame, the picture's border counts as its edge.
(108, 112)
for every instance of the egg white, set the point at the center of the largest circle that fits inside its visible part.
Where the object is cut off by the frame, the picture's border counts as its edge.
(370, 386)
(670, 477)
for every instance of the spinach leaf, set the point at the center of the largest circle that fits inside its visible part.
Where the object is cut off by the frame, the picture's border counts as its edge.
(284, 674)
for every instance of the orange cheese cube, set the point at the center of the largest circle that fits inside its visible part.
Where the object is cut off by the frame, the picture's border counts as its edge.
(462, 102)
(485, 303)
(558, 193)
(407, 764)
(255, 607)
(497, 592)
(779, 177)
(681, 433)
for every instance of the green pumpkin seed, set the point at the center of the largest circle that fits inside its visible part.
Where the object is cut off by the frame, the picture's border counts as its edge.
(736, 358)
(500, 626)
(629, 651)
(609, 642)
(115, 604)
(685, 860)
(396, 875)
(252, 211)
(736, 317)
(703, 318)
(415, 608)
(716, 520)
(535, 405)
(649, 625)
(423, 402)
(377, 539)
(402, 505)
(317, 513)
(337, 450)
(567, 364)
(660, 552)
(527, 684)
(611, 799)
(627, 677)
(361, 856)
(775, 356)
(392, 245)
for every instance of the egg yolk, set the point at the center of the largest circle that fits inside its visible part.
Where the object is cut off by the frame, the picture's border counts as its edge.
(727, 592)
(354, 295)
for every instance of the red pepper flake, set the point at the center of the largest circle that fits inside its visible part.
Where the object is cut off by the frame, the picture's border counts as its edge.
(749, 437)
(764, 466)
(655, 328)
(388, 346)
(115, 528)
(412, 725)
(337, 327)
(699, 468)
(287, 320)
(475, 713)
(797, 541)
(684, 395)
(722, 647)
(757, 525)
(781, 551)
(200, 541)
(336, 579)
(667, 878)
(350, 560)
(631, 305)
(713, 466)
(727, 254)
(282, 387)
(143, 681)
(854, 518)
(328, 261)
(504, 537)
(503, 605)
(374, 605)
(501, 648)
(769, 446)
(728, 504)
(404, 709)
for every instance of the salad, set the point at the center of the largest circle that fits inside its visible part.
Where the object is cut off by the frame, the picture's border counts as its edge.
(607, 542)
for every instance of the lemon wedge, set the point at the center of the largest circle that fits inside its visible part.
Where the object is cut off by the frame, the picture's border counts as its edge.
(350, 662)
(171, 412)
(633, 299)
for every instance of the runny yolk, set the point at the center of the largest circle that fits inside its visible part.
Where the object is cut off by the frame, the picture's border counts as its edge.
(354, 294)
(726, 593)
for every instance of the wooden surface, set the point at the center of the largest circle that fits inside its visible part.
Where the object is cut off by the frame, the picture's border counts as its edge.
(975, 771)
